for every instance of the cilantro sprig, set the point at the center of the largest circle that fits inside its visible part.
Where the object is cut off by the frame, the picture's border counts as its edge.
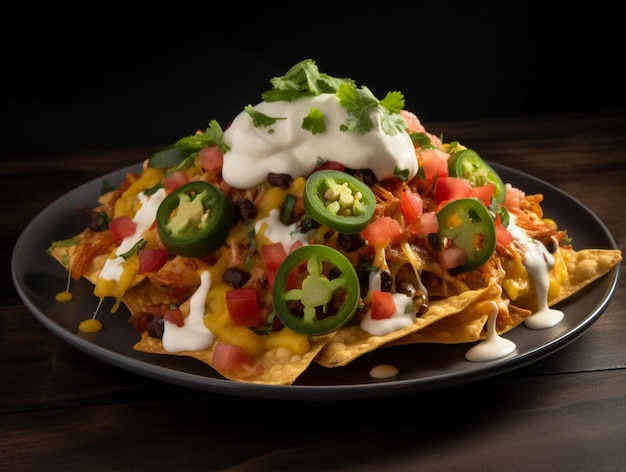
(360, 103)
(305, 79)
(212, 135)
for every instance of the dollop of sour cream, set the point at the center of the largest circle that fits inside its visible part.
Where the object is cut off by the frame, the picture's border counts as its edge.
(287, 148)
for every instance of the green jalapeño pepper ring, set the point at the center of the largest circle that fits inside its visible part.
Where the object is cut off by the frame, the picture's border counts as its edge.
(339, 200)
(473, 168)
(467, 223)
(194, 219)
(322, 304)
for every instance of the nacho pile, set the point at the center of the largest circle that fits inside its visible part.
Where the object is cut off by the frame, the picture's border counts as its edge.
(320, 225)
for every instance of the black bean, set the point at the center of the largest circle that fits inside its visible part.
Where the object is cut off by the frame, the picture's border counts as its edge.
(367, 176)
(236, 277)
(406, 287)
(386, 281)
(245, 210)
(283, 181)
(156, 327)
(351, 242)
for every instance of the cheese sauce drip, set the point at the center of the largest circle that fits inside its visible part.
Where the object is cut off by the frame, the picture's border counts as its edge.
(538, 262)
(193, 335)
(286, 148)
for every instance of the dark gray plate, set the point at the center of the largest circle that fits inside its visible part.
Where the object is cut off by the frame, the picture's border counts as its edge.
(38, 278)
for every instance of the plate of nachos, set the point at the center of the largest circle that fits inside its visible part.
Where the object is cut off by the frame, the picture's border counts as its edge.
(321, 245)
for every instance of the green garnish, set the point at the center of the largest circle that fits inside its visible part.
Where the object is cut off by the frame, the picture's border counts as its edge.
(62, 243)
(212, 135)
(305, 79)
(260, 119)
(314, 121)
(401, 174)
(138, 245)
(422, 139)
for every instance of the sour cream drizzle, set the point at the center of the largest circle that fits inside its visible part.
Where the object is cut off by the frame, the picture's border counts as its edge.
(538, 262)
(286, 148)
(493, 346)
(193, 335)
(277, 232)
(113, 267)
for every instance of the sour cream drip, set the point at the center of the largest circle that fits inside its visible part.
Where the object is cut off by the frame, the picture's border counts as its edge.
(538, 262)
(286, 148)
(193, 335)
(113, 267)
(493, 346)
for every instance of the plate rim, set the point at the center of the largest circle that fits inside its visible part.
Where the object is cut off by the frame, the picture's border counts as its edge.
(313, 392)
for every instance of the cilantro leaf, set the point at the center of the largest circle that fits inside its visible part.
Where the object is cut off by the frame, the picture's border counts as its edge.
(261, 119)
(302, 79)
(422, 139)
(359, 103)
(213, 135)
(314, 121)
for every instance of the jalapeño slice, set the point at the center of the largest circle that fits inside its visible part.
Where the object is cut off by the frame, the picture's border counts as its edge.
(194, 219)
(468, 225)
(473, 168)
(316, 290)
(339, 200)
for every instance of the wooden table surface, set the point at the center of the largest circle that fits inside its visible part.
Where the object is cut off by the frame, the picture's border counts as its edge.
(64, 410)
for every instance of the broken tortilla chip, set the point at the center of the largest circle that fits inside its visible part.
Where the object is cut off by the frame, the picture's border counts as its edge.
(352, 341)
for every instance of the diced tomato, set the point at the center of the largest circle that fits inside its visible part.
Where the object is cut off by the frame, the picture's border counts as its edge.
(229, 356)
(273, 256)
(512, 198)
(382, 231)
(413, 122)
(243, 306)
(503, 235)
(452, 257)
(295, 245)
(151, 260)
(122, 227)
(452, 188)
(174, 316)
(434, 163)
(332, 165)
(485, 193)
(411, 206)
(425, 224)
(383, 305)
(211, 158)
(176, 179)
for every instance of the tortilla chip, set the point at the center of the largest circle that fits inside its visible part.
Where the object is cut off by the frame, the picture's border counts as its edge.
(352, 341)
(584, 267)
(278, 366)
(469, 325)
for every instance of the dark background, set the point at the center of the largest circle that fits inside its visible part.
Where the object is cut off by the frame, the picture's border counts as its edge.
(111, 74)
